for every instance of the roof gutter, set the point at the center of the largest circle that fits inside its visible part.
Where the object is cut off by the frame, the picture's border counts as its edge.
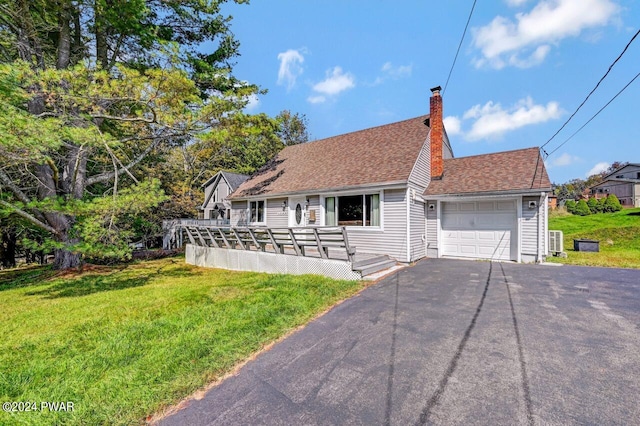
(384, 185)
(500, 194)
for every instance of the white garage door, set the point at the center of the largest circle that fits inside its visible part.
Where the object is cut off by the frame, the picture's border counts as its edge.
(480, 229)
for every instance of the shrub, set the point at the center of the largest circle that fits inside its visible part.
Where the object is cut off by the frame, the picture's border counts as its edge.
(612, 204)
(601, 204)
(582, 209)
(571, 206)
(594, 206)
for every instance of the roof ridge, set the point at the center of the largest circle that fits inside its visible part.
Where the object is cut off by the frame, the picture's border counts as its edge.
(425, 116)
(495, 153)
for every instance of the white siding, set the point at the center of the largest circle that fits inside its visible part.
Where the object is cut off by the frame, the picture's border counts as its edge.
(529, 227)
(417, 230)
(421, 173)
(276, 216)
(393, 239)
(432, 226)
(223, 192)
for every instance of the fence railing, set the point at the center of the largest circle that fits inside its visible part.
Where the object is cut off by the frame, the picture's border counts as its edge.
(299, 240)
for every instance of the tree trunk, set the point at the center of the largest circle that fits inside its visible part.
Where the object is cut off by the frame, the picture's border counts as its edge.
(8, 248)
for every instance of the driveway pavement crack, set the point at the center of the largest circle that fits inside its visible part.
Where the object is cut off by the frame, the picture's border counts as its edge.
(433, 401)
(523, 365)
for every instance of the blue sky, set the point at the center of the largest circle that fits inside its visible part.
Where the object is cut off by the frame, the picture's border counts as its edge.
(524, 67)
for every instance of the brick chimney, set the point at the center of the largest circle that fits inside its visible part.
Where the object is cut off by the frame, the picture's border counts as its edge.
(437, 133)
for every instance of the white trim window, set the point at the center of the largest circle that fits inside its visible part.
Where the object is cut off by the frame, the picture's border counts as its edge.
(353, 210)
(257, 211)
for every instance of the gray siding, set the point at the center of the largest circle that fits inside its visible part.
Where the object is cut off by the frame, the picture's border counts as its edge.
(276, 216)
(421, 173)
(417, 230)
(239, 213)
(529, 227)
(432, 226)
(391, 241)
(447, 152)
(314, 205)
(223, 193)
(531, 232)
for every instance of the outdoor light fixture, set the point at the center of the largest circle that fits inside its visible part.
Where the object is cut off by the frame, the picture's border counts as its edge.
(307, 203)
(284, 205)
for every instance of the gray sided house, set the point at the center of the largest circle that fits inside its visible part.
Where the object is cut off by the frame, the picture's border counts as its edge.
(399, 191)
(216, 193)
(624, 183)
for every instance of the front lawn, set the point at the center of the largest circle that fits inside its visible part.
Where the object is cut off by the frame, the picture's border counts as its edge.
(618, 233)
(123, 343)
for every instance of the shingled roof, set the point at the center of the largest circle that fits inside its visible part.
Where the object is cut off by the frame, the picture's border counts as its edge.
(507, 171)
(379, 155)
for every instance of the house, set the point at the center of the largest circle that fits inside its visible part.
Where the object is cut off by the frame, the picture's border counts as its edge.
(216, 192)
(624, 183)
(399, 191)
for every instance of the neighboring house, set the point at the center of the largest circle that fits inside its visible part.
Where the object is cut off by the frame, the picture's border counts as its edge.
(624, 183)
(216, 191)
(399, 191)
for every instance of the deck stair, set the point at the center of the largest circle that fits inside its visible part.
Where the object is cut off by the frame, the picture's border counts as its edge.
(373, 264)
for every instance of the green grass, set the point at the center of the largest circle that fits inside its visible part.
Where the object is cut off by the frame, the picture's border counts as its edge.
(618, 233)
(124, 343)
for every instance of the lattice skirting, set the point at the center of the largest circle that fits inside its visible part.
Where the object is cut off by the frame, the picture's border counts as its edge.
(257, 261)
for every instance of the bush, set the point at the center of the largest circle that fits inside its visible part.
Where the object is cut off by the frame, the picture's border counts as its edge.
(612, 204)
(594, 206)
(571, 206)
(601, 204)
(582, 209)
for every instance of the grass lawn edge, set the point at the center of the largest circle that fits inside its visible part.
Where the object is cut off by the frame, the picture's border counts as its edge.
(200, 393)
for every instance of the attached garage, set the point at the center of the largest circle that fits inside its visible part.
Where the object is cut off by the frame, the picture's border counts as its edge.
(480, 229)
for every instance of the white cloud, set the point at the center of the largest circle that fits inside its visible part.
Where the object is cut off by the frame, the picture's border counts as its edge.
(252, 102)
(290, 67)
(337, 81)
(565, 159)
(396, 72)
(491, 120)
(453, 125)
(316, 99)
(515, 3)
(598, 168)
(526, 41)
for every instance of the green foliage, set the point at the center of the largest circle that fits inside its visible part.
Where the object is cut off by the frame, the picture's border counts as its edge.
(582, 209)
(594, 205)
(612, 204)
(571, 206)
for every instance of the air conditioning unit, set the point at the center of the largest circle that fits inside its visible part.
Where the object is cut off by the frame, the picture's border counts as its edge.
(555, 242)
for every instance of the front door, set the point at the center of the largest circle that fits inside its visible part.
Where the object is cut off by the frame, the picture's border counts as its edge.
(297, 212)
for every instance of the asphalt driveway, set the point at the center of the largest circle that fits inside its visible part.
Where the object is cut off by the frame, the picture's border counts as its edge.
(452, 342)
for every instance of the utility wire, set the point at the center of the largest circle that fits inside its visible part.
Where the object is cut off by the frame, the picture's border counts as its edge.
(596, 114)
(590, 93)
(459, 45)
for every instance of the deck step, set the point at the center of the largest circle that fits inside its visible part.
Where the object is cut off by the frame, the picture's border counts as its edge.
(361, 262)
(372, 268)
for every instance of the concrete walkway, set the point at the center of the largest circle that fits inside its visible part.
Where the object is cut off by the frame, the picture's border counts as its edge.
(452, 342)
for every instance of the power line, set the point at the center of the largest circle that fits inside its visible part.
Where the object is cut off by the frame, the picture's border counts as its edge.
(593, 90)
(459, 45)
(595, 115)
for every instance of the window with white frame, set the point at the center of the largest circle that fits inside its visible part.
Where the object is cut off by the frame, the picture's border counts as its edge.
(256, 211)
(353, 210)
